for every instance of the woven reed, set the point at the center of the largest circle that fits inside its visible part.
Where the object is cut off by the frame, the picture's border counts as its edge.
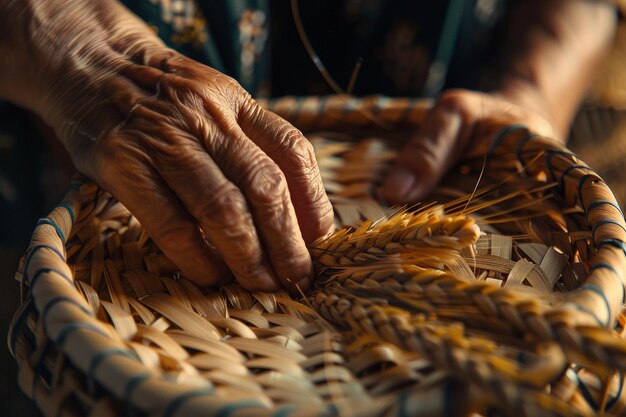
(416, 313)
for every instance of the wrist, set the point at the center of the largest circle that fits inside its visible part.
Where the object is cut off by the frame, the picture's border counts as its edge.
(66, 63)
(90, 95)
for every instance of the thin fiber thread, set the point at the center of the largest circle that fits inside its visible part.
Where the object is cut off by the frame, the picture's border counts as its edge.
(407, 312)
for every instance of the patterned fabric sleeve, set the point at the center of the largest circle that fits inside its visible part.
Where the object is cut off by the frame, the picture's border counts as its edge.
(229, 36)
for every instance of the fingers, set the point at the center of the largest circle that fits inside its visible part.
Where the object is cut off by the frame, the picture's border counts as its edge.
(460, 121)
(216, 205)
(220, 180)
(242, 206)
(429, 154)
(266, 191)
(162, 215)
(294, 154)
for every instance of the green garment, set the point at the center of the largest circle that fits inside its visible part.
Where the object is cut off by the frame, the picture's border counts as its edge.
(230, 36)
(396, 41)
(408, 47)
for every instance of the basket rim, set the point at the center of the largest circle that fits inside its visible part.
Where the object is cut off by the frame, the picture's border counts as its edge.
(65, 314)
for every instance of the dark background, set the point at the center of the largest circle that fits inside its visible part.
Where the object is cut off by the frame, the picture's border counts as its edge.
(35, 173)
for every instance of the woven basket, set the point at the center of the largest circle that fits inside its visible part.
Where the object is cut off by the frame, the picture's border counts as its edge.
(413, 314)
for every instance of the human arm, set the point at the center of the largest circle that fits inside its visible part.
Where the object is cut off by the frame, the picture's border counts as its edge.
(183, 146)
(553, 51)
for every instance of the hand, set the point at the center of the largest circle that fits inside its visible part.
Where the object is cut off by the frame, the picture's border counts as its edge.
(202, 153)
(551, 55)
(458, 121)
(208, 173)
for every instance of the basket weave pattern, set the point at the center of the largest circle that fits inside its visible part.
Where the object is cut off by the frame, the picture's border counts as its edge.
(417, 313)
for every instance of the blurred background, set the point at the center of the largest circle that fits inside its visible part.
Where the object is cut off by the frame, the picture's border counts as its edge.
(35, 174)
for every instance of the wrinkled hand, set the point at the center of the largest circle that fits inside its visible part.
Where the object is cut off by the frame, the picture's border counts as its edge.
(202, 153)
(458, 121)
(215, 180)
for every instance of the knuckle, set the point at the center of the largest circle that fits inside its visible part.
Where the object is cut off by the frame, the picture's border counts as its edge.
(246, 98)
(301, 148)
(325, 209)
(228, 81)
(424, 159)
(175, 235)
(225, 210)
(290, 138)
(113, 159)
(250, 110)
(266, 184)
(316, 194)
(230, 89)
(300, 154)
(292, 262)
(455, 101)
(247, 267)
(178, 157)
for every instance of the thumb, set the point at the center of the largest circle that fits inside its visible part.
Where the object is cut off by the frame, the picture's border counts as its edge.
(427, 156)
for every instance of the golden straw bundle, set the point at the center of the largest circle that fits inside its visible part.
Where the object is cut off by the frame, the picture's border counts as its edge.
(503, 301)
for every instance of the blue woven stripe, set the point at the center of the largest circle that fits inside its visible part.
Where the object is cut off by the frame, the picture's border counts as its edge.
(75, 185)
(382, 103)
(228, 409)
(602, 265)
(550, 153)
(402, 405)
(603, 222)
(72, 327)
(598, 203)
(597, 290)
(132, 385)
(502, 134)
(448, 399)
(41, 271)
(447, 406)
(284, 411)
(323, 103)
(179, 401)
(586, 394)
(407, 111)
(591, 313)
(70, 210)
(101, 357)
(295, 110)
(61, 299)
(613, 242)
(567, 172)
(31, 252)
(520, 146)
(581, 183)
(53, 224)
(610, 404)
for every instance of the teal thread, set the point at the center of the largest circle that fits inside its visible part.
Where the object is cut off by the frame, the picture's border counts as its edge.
(600, 293)
(53, 224)
(179, 401)
(70, 210)
(72, 327)
(228, 409)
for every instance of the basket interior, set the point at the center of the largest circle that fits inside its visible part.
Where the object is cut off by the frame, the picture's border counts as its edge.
(414, 311)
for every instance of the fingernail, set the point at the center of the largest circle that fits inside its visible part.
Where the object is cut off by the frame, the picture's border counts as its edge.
(330, 230)
(398, 184)
(300, 287)
(301, 283)
(264, 280)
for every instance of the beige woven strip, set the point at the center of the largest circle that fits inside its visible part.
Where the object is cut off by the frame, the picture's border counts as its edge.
(408, 316)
